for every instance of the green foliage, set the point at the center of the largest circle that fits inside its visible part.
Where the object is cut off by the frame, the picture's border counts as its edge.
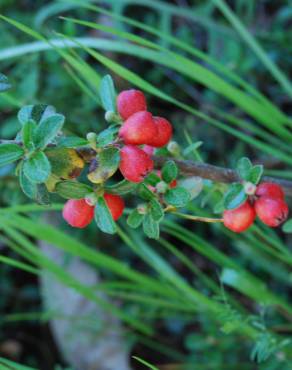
(179, 282)
(72, 189)
(235, 196)
(107, 93)
(103, 217)
(248, 172)
(169, 172)
(177, 197)
(10, 153)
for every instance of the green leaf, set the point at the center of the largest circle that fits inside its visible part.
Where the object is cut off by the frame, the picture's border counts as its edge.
(37, 192)
(287, 227)
(41, 112)
(4, 84)
(103, 217)
(121, 188)
(177, 197)
(107, 93)
(28, 132)
(135, 219)
(219, 207)
(107, 136)
(73, 189)
(37, 168)
(37, 112)
(152, 179)
(144, 192)
(10, 153)
(156, 210)
(48, 129)
(150, 227)
(105, 166)
(255, 174)
(194, 185)
(243, 168)
(235, 196)
(169, 171)
(71, 142)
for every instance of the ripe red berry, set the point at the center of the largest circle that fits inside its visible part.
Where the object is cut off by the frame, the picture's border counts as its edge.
(115, 204)
(78, 213)
(271, 211)
(138, 129)
(130, 102)
(270, 189)
(164, 132)
(135, 163)
(239, 219)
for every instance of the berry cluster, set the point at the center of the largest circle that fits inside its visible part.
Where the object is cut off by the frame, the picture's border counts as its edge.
(267, 202)
(50, 162)
(140, 127)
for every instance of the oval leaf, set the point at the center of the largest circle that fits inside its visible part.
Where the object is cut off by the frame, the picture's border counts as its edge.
(73, 189)
(48, 129)
(151, 227)
(135, 219)
(235, 196)
(10, 153)
(37, 168)
(103, 217)
(107, 93)
(169, 171)
(177, 197)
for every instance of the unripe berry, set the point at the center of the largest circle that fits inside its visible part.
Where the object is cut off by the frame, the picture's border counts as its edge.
(130, 102)
(270, 189)
(164, 132)
(239, 219)
(135, 163)
(78, 213)
(271, 211)
(249, 188)
(115, 204)
(138, 129)
(161, 187)
(173, 148)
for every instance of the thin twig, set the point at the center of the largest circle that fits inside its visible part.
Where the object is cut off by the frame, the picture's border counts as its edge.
(191, 168)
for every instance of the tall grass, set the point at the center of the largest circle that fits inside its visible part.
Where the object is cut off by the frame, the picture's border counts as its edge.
(163, 288)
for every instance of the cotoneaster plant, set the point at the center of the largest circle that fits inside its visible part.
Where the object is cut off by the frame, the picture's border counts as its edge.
(138, 146)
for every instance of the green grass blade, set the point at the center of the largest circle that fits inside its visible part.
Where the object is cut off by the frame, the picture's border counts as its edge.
(255, 46)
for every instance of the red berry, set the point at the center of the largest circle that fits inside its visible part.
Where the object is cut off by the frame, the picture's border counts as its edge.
(78, 213)
(115, 204)
(130, 102)
(239, 219)
(271, 211)
(164, 134)
(135, 163)
(138, 129)
(270, 189)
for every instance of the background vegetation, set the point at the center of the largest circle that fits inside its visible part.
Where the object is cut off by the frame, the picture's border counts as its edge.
(200, 297)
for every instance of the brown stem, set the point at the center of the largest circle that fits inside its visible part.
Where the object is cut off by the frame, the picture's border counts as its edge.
(215, 173)
(191, 168)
